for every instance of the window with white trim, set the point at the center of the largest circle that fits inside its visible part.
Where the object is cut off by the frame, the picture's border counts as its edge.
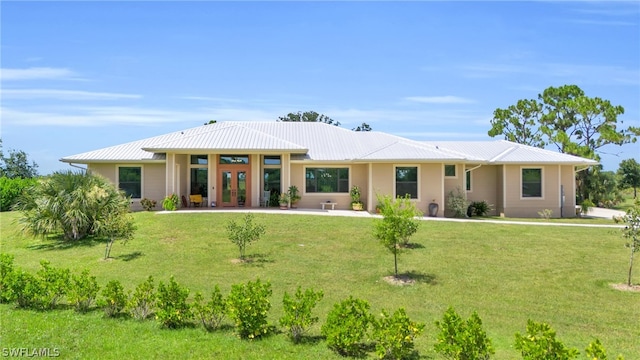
(468, 185)
(130, 181)
(531, 182)
(407, 181)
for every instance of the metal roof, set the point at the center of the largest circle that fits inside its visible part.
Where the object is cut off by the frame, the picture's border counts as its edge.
(312, 141)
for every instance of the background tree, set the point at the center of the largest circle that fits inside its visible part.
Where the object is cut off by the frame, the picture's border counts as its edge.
(629, 173)
(16, 165)
(362, 127)
(575, 123)
(519, 123)
(308, 116)
(71, 203)
(398, 223)
(602, 187)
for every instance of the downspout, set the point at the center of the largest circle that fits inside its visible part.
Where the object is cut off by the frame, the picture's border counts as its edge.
(78, 167)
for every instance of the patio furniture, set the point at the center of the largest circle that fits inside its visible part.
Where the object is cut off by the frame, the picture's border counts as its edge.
(196, 200)
(266, 197)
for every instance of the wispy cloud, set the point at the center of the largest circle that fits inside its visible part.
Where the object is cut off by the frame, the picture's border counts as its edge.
(64, 94)
(36, 73)
(440, 99)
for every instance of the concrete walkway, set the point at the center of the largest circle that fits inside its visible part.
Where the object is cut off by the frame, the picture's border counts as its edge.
(595, 213)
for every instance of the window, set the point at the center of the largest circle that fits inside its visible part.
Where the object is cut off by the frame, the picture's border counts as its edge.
(199, 159)
(450, 171)
(272, 160)
(468, 174)
(272, 180)
(327, 180)
(407, 181)
(130, 181)
(234, 159)
(199, 181)
(531, 183)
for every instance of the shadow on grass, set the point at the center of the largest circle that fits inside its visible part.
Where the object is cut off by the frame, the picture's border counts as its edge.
(257, 260)
(130, 256)
(413, 246)
(412, 277)
(57, 242)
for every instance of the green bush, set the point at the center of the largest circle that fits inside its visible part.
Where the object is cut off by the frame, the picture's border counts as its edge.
(297, 316)
(170, 203)
(173, 311)
(212, 313)
(6, 271)
(244, 233)
(457, 203)
(540, 343)
(83, 291)
(11, 189)
(480, 208)
(595, 351)
(248, 305)
(462, 340)
(54, 283)
(347, 326)
(113, 299)
(25, 289)
(394, 335)
(142, 302)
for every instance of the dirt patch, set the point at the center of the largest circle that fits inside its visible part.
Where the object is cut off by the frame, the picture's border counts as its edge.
(400, 280)
(625, 287)
(242, 261)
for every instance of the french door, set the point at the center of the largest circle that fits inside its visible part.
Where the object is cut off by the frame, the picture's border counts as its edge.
(235, 186)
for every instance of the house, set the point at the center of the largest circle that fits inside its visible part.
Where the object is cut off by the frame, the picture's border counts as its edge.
(231, 163)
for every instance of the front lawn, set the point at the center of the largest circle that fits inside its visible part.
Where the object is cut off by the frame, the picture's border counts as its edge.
(507, 273)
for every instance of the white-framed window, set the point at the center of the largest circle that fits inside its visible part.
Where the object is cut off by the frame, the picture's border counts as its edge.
(531, 183)
(450, 171)
(130, 180)
(468, 181)
(326, 180)
(406, 181)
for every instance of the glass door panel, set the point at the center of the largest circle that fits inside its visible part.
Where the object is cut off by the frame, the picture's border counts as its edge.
(241, 180)
(226, 188)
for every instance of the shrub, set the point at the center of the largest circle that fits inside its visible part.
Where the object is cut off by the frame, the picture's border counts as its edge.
(545, 214)
(148, 204)
(113, 299)
(70, 203)
(6, 271)
(141, 303)
(11, 189)
(54, 284)
(212, 312)
(394, 335)
(481, 208)
(170, 203)
(297, 312)
(456, 203)
(540, 343)
(171, 304)
(347, 325)
(248, 305)
(25, 289)
(83, 291)
(462, 340)
(595, 351)
(244, 233)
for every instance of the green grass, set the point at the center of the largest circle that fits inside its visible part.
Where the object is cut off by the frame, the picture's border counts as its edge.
(507, 273)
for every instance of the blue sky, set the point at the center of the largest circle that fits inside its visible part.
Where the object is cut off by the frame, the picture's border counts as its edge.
(79, 76)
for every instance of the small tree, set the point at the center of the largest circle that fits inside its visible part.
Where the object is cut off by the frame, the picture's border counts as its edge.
(397, 225)
(631, 232)
(115, 225)
(540, 343)
(297, 312)
(244, 233)
(629, 172)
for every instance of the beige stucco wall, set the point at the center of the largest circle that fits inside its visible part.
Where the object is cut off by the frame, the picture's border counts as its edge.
(516, 206)
(485, 186)
(153, 180)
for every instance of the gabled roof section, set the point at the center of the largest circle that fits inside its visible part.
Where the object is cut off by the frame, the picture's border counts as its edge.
(506, 152)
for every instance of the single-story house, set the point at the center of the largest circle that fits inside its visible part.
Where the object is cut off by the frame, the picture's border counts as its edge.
(231, 164)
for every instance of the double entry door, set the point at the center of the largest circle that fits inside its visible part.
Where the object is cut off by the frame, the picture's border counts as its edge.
(234, 190)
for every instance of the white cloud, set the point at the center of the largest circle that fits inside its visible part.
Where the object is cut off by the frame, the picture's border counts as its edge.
(63, 94)
(36, 73)
(440, 99)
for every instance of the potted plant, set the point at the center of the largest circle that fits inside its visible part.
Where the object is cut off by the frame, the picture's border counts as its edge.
(356, 204)
(284, 201)
(433, 208)
(294, 196)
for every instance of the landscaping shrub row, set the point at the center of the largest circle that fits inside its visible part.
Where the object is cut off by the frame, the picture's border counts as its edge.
(350, 329)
